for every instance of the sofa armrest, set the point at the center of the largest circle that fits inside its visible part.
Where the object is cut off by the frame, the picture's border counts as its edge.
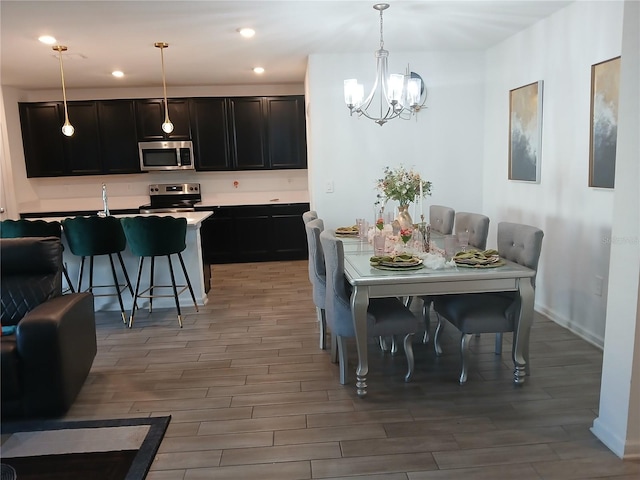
(56, 345)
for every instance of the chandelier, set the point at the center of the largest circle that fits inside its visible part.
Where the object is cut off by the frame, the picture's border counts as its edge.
(67, 128)
(167, 126)
(397, 95)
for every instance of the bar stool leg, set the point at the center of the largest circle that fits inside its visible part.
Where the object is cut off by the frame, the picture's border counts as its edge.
(126, 275)
(91, 273)
(80, 274)
(135, 295)
(117, 287)
(151, 277)
(175, 290)
(186, 276)
(66, 277)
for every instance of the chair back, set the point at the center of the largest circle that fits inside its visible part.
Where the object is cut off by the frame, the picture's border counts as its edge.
(94, 235)
(441, 219)
(521, 244)
(337, 303)
(476, 224)
(317, 269)
(154, 235)
(29, 228)
(308, 216)
(31, 271)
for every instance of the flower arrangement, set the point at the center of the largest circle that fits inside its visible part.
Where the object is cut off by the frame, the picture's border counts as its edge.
(402, 185)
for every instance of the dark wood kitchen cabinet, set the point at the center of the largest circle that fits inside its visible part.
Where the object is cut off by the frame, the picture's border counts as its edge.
(104, 140)
(209, 124)
(150, 117)
(249, 133)
(286, 132)
(254, 233)
(118, 139)
(42, 138)
(247, 130)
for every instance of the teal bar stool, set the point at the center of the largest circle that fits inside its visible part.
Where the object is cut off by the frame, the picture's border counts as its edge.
(94, 236)
(34, 228)
(156, 236)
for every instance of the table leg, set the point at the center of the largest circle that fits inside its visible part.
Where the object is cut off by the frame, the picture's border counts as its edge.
(522, 330)
(359, 305)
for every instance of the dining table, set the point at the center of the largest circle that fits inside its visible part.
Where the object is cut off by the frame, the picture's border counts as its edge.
(369, 282)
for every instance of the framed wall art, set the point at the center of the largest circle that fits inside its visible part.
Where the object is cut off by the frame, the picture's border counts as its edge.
(525, 132)
(605, 82)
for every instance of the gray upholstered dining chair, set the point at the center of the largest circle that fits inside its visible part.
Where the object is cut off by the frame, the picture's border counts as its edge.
(385, 316)
(476, 225)
(490, 312)
(308, 216)
(317, 274)
(441, 219)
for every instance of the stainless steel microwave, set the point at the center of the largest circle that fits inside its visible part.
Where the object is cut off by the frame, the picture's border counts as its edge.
(166, 155)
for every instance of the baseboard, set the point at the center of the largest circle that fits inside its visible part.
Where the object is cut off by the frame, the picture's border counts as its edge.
(624, 450)
(570, 325)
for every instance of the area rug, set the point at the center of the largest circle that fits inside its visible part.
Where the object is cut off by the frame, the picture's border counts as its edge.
(120, 449)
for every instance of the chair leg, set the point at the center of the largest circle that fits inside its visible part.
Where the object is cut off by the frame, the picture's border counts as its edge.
(91, 274)
(408, 351)
(135, 295)
(426, 316)
(322, 323)
(186, 277)
(117, 287)
(498, 347)
(436, 336)
(465, 338)
(175, 290)
(342, 360)
(334, 348)
(394, 345)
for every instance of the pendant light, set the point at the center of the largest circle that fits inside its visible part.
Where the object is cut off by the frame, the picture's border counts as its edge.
(67, 128)
(167, 126)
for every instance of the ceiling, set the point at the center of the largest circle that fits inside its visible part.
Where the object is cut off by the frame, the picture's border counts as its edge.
(205, 48)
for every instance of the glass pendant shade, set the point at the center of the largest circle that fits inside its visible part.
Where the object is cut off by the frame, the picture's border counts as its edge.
(67, 129)
(167, 126)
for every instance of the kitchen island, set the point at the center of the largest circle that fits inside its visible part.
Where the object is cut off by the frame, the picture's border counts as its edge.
(199, 273)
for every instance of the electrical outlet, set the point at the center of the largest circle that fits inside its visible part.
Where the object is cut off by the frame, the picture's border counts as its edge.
(597, 285)
(328, 187)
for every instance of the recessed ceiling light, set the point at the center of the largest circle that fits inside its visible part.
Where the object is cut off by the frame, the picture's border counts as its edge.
(258, 70)
(48, 39)
(247, 32)
(117, 73)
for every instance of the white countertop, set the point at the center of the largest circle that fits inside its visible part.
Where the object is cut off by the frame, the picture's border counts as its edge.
(194, 219)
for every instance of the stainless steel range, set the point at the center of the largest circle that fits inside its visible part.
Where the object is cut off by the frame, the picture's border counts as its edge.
(172, 197)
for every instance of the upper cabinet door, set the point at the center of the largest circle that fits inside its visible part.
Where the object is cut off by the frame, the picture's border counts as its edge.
(83, 147)
(247, 131)
(118, 136)
(150, 117)
(210, 139)
(286, 132)
(41, 125)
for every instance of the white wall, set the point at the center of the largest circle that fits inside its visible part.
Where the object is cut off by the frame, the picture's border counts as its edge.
(130, 191)
(444, 142)
(576, 219)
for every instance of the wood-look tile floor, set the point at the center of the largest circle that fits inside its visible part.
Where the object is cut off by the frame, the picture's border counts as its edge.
(252, 396)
